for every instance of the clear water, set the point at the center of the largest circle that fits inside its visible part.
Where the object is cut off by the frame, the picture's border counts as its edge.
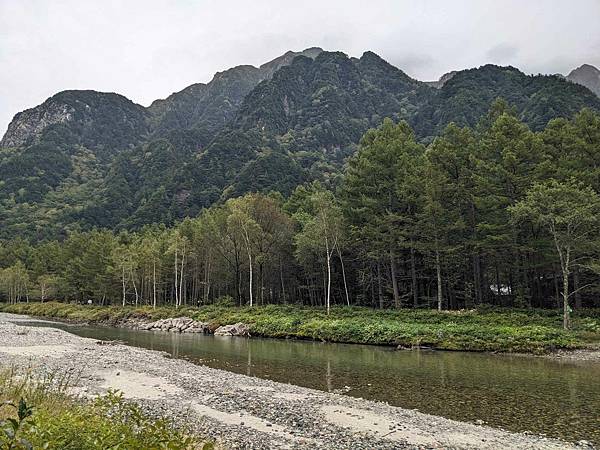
(560, 399)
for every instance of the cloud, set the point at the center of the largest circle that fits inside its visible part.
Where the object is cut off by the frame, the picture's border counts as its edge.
(502, 53)
(411, 63)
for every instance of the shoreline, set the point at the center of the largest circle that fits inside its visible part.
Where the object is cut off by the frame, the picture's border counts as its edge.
(493, 330)
(240, 411)
(582, 355)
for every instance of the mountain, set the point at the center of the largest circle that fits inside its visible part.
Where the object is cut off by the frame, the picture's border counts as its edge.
(466, 97)
(330, 101)
(69, 140)
(588, 76)
(298, 125)
(85, 158)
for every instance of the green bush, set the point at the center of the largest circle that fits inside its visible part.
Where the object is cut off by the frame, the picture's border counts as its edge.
(46, 417)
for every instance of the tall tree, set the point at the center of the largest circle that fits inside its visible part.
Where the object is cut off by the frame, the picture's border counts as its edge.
(379, 217)
(570, 213)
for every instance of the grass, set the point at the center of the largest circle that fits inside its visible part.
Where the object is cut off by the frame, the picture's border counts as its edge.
(483, 329)
(38, 413)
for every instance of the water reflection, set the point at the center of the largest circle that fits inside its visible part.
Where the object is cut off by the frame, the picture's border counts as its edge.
(561, 399)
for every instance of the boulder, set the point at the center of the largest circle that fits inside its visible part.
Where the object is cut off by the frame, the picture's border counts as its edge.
(197, 327)
(177, 325)
(238, 329)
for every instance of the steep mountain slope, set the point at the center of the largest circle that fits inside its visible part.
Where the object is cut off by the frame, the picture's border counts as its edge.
(299, 125)
(331, 100)
(208, 107)
(588, 76)
(466, 97)
(72, 136)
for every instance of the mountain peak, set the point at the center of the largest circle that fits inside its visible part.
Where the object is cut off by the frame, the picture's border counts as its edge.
(586, 67)
(588, 76)
(286, 59)
(82, 107)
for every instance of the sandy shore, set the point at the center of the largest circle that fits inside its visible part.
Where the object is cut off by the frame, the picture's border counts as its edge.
(240, 411)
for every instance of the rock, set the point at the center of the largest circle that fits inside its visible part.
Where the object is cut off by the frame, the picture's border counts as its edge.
(197, 327)
(173, 325)
(238, 329)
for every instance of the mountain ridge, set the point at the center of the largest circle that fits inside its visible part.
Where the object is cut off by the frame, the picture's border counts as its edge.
(105, 161)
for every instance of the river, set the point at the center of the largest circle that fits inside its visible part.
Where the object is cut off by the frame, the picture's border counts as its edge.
(517, 393)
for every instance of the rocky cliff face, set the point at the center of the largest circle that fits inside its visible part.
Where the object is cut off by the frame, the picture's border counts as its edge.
(89, 118)
(588, 76)
(443, 80)
(28, 125)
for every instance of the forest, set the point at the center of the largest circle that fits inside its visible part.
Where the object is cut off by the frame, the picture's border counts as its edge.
(493, 214)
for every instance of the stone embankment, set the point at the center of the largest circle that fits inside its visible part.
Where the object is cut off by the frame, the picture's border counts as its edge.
(186, 325)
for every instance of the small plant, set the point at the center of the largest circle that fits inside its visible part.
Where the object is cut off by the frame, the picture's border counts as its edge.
(12, 428)
(60, 421)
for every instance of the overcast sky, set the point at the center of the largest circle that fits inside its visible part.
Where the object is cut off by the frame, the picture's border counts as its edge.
(147, 49)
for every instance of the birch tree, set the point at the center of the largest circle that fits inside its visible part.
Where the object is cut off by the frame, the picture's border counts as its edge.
(241, 222)
(569, 213)
(321, 233)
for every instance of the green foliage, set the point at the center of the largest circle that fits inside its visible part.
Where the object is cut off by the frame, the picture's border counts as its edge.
(12, 428)
(46, 417)
(467, 96)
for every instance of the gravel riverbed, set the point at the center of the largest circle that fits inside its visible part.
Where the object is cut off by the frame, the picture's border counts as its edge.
(243, 412)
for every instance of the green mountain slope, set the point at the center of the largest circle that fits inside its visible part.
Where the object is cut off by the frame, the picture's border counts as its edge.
(85, 158)
(466, 97)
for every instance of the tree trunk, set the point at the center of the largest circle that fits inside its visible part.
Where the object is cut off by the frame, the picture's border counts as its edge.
(413, 273)
(154, 284)
(207, 283)
(181, 276)
(576, 288)
(394, 281)
(176, 280)
(123, 280)
(379, 287)
(282, 283)
(566, 311)
(497, 281)
(328, 273)
(134, 288)
(477, 279)
(438, 270)
(566, 268)
(251, 274)
(344, 276)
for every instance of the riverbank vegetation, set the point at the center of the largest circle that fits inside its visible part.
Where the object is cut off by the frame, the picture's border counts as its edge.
(38, 413)
(492, 215)
(483, 329)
